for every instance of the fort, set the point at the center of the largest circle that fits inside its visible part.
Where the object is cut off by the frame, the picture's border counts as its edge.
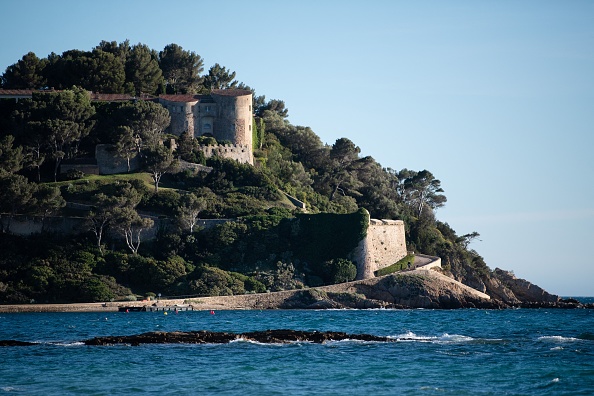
(225, 114)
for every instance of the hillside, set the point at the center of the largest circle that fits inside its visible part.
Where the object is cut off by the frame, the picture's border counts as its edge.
(107, 254)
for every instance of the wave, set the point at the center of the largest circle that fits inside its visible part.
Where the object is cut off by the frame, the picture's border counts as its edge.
(253, 342)
(444, 339)
(557, 339)
(67, 343)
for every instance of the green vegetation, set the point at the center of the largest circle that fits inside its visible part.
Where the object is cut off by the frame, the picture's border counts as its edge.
(401, 265)
(270, 246)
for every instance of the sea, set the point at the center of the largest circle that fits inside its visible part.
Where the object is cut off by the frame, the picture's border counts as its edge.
(435, 352)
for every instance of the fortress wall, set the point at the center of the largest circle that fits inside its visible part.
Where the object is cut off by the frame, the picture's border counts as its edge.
(384, 245)
(234, 120)
(24, 225)
(110, 163)
(27, 225)
(182, 118)
(240, 153)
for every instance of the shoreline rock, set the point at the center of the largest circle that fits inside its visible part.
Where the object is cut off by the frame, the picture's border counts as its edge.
(427, 289)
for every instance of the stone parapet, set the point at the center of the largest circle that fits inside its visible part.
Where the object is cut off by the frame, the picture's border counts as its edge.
(239, 152)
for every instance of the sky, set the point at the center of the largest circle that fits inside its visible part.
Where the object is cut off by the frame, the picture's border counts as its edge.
(495, 98)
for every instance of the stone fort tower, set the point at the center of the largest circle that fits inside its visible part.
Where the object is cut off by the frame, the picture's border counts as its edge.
(225, 114)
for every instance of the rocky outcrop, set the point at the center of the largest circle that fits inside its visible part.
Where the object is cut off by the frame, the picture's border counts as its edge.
(523, 290)
(411, 289)
(210, 337)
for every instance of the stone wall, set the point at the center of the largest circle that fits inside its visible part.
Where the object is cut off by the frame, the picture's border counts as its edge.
(27, 225)
(241, 153)
(182, 117)
(109, 162)
(24, 225)
(384, 245)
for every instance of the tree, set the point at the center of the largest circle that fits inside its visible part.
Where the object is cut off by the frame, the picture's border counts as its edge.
(143, 71)
(48, 200)
(181, 69)
(66, 70)
(190, 210)
(467, 239)
(158, 161)
(100, 217)
(185, 146)
(121, 50)
(339, 270)
(378, 195)
(275, 105)
(258, 133)
(35, 150)
(27, 73)
(219, 77)
(64, 117)
(105, 72)
(131, 225)
(422, 190)
(17, 195)
(109, 209)
(11, 158)
(128, 144)
(148, 120)
(343, 168)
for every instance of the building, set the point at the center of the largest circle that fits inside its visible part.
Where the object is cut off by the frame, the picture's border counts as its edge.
(225, 114)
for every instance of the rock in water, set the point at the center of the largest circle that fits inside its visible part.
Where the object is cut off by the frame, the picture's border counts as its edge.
(15, 343)
(210, 337)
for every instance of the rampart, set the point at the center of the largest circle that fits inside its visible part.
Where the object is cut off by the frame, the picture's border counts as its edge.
(384, 245)
(238, 152)
(25, 225)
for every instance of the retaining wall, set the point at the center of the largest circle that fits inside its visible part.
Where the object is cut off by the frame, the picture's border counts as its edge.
(384, 245)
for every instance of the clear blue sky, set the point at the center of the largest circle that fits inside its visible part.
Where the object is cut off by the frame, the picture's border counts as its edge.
(495, 98)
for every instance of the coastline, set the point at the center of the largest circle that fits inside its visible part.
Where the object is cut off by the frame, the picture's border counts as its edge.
(419, 288)
(367, 293)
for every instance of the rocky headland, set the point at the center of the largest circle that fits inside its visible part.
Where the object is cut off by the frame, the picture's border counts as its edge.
(419, 288)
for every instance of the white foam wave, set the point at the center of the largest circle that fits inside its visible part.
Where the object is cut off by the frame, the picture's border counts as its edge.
(244, 340)
(67, 343)
(443, 339)
(350, 341)
(557, 339)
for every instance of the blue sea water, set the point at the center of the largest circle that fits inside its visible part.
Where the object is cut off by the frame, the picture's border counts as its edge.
(458, 352)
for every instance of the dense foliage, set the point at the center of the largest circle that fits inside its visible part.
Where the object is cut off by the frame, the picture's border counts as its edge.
(270, 246)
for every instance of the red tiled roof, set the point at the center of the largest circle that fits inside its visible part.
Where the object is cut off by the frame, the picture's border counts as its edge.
(110, 97)
(16, 92)
(231, 92)
(180, 98)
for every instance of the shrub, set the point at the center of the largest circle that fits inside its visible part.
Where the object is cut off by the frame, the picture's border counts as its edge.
(74, 174)
(339, 270)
